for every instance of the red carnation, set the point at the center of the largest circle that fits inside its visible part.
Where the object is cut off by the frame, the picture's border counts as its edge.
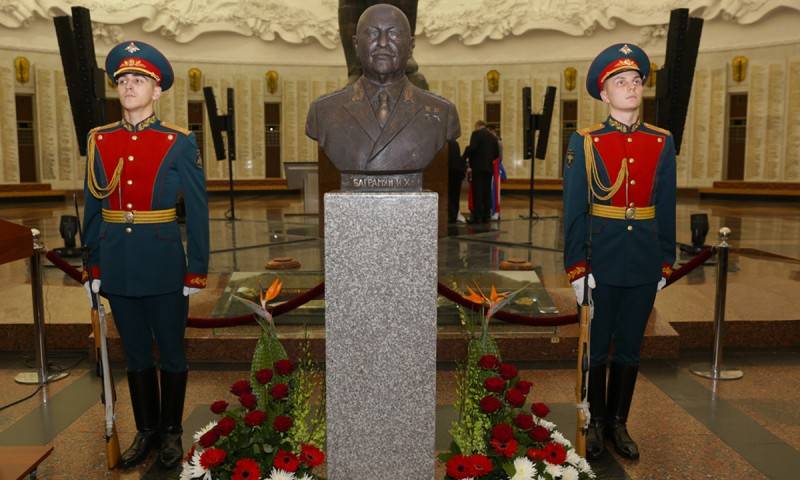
(263, 376)
(248, 400)
(502, 432)
(279, 391)
(212, 457)
(540, 409)
(515, 398)
(219, 406)
(539, 434)
(459, 467)
(225, 426)
(490, 404)
(284, 367)
(481, 465)
(246, 469)
(508, 371)
(311, 455)
(524, 386)
(524, 421)
(555, 453)
(494, 384)
(506, 449)
(241, 386)
(282, 423)
(209, 438)
(255, 418)
(286, 461)
(536, 455)
(489, 362)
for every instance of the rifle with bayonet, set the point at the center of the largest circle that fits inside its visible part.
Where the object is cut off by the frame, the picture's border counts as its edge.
(584, 323)
(100, 333)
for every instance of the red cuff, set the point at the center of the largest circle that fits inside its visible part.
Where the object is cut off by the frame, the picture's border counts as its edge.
(195, 280)
(576, 271)
(666, 270)
(94, 276)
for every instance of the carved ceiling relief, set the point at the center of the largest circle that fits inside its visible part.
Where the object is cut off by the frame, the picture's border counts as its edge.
(438, 20)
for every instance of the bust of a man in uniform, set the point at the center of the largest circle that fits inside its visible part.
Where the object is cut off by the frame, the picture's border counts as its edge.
(381, 130)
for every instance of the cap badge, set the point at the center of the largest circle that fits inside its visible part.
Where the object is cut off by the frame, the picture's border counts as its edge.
(626, 50)
(131, 48)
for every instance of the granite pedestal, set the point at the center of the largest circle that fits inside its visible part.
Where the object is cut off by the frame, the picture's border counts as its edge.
(380, 334)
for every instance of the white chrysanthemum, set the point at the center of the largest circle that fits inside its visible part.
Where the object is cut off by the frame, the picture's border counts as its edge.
(277, 474)
(573, 458)
(204, 430)
(559, 438)
(554, 471)
(569, 474)
(583, 466)
(546, 424)
(194, 470)
(523, 469)
(306, 477)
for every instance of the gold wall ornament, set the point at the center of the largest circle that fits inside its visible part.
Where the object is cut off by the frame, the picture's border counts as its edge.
(493, 80)
(22, 69)
(651, 80)
(272, 81)
(195, 79)
(739, 66)
(570, 77)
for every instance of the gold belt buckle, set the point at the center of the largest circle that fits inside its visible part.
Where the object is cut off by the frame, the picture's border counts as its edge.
(128, 217)
(630, 213)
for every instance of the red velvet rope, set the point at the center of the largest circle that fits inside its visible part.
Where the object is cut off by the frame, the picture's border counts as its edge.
(448, 293)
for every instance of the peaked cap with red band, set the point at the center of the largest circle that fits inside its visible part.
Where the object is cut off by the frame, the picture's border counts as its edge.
(617, 58)
(139, 57)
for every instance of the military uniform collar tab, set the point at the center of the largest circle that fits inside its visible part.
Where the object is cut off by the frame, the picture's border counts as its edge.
(617, 125)
(147, 122)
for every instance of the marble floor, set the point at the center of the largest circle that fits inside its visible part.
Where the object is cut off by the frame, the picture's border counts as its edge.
(687, 427)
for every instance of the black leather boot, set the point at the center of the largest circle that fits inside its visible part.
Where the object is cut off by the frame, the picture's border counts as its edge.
(595, 440)
(173, 392)
(621, 383)
(144, 399)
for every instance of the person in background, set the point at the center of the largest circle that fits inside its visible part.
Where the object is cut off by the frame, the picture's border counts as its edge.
(482, 150)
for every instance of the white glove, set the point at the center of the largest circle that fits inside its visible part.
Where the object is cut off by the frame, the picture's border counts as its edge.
(95, 288)
(661, 284)
(190, 291)
(577, 285)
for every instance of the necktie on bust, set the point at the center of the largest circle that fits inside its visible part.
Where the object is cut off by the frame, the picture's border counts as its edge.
(383, 107)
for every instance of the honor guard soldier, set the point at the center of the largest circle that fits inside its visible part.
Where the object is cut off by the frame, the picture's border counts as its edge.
(619, 212)
(135, 170)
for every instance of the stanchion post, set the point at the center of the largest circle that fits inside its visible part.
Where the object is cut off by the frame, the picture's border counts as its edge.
(717, 372)
(38, 306)
(41, 376)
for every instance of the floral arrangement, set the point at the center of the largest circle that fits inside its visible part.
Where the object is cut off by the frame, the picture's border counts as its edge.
(272, 431)
(496, 436)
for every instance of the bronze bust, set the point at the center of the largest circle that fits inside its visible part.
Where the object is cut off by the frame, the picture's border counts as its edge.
(381, 131)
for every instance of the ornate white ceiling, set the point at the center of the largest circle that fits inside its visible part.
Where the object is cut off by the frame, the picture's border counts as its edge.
(471, 21)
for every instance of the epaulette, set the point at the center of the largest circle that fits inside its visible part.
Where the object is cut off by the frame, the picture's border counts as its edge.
(103, 127)
(177, 128)
(658, 129)
(584, 131)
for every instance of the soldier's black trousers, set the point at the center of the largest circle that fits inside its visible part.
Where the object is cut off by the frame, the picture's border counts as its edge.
(620, 317)
(139, 320)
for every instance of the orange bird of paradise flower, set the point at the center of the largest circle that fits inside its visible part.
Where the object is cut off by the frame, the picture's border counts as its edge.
(494, 301)
(265, 295)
